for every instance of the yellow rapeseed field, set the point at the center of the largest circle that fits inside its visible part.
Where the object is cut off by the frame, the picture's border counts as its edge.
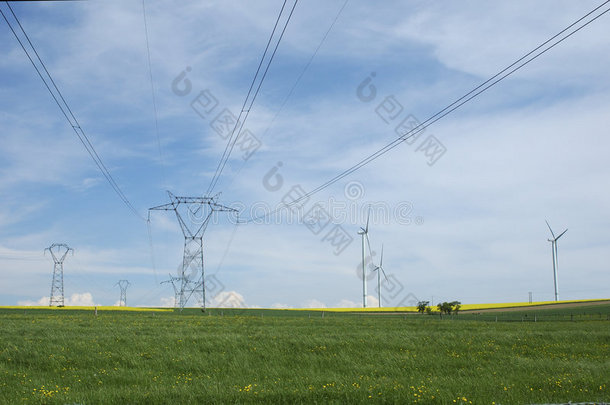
(464, 307)
(100, 308)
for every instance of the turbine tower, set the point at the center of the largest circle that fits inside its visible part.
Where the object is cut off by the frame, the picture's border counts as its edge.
(555, 258)
(59, 251)
(198, 211)
(123, 284)
(379, 269)
(364, 232)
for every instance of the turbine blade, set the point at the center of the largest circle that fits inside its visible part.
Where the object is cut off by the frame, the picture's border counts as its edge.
(561, 234)
(367, 219)
(381, 261)
(383, 271)
(547, 224)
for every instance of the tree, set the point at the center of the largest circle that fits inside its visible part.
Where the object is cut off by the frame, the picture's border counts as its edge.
(449, 307)
(444, 307)
(456, 306)
(422, 306)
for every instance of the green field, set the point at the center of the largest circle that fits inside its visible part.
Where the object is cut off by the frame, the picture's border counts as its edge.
(241, 356)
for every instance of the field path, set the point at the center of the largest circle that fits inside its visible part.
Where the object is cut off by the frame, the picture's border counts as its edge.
(544, 306)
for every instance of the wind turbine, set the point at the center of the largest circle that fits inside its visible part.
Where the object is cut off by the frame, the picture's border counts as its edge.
(364, 232)
(380, 269)
(555, 260)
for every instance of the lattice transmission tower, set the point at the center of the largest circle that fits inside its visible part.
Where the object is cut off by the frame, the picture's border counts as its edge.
(123, 284)
(176, 284)
(193, 214)
(59, 251)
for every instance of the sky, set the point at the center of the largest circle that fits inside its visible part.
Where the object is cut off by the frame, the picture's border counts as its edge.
(460, 209)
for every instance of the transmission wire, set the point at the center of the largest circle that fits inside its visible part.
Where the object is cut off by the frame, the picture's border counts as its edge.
(450, 108)
(233, 139)
(152, 85)
(74, 124)
(296, 82)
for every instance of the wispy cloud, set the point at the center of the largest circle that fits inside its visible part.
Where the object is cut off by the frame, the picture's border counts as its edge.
(531, 148)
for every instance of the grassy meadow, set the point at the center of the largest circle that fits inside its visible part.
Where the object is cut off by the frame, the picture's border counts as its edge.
(242, 356)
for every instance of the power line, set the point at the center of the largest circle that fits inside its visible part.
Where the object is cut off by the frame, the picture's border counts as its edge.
(233, 138)
(307, 65)
(504, 73)
(67, 112)
(294, 85)
(152, 85)
(298, 80)
(224, 153)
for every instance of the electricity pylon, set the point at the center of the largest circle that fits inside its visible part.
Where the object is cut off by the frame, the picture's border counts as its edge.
(173, 279)
(199, 211)
(57, 285)
(123, 284)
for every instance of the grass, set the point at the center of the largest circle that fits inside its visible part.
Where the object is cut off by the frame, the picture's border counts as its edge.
(51, 356)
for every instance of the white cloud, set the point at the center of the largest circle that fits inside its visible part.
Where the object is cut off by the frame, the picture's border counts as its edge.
(167, 302)
(277, 305)
(74, 300)
(372, 302)
(42, 302)
(84, 299)
(313, 303)
(475, 50)
(228, 299)
(348, 304)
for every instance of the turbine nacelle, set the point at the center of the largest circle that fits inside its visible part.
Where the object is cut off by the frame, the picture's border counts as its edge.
(380, 267)
(560, 235)
(555, 238)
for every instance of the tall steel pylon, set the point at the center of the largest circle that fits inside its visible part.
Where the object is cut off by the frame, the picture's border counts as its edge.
(199, 211)
(123, 284)
(59, 251)
(176, 286)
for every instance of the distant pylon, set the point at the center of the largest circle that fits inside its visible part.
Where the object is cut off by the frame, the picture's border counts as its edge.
(57, 285)
(176, 286)
(123, 284)
(194, 219)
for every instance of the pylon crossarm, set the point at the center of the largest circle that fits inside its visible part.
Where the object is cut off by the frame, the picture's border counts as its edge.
(193, 200)
(219, 207)
(171, 280)
(59, 246)
(54, 257)
(164, 207)
(66, 253)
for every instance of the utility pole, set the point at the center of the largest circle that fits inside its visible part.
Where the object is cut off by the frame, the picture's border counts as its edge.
(193, 215)
(59, 251)
(123, 284)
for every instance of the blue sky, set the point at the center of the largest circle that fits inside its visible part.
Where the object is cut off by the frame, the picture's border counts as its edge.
(469, 227)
